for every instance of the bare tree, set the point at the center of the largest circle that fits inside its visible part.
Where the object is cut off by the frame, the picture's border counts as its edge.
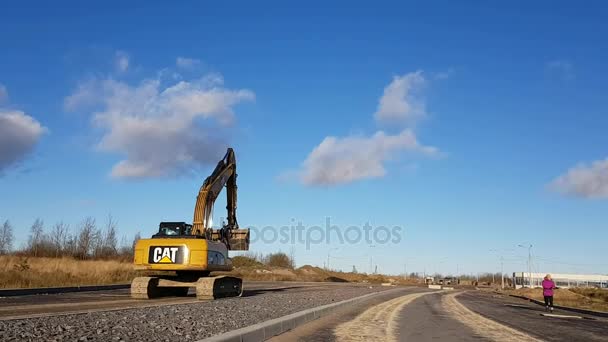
(36, 237)
(87, 238)
(59, 238)
(70, 246)
(106, 246)
(136, 238)
(110, 239)
(292, 256)
(6, 238)
(125, 250)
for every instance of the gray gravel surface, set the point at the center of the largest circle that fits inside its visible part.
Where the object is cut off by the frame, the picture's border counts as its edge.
(185, 322)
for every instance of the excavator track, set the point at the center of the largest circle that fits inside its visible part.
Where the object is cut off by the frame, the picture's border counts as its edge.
(145, 288)
(219, 287)
(207, 288)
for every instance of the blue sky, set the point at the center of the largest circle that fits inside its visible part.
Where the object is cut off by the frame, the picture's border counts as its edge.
(473, 126)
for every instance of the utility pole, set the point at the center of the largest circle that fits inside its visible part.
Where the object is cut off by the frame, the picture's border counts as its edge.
(529, 263)
(502, 271)
(502, 274)
(370, 259)
(328, 256)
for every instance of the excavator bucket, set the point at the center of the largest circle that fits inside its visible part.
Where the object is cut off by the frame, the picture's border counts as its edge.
(239, 240)
(218, 287)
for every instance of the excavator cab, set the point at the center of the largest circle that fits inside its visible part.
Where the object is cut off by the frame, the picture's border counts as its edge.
(173, 229)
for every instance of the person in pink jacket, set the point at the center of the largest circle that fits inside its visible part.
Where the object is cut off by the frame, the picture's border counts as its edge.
(548, 286)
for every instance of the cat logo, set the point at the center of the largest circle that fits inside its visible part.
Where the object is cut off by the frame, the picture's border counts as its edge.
(166, 255)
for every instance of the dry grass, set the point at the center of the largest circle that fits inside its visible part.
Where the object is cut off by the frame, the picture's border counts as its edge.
(313, 274)
(593, 293)
(590, 299)
(21, 272)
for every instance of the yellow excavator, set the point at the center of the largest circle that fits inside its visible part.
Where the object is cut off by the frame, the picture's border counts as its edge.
(181, 255)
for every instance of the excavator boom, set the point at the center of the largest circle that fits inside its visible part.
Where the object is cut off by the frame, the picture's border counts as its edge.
(224, 175)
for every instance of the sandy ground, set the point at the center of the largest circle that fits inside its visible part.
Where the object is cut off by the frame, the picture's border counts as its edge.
(377, 323)
(481, 325)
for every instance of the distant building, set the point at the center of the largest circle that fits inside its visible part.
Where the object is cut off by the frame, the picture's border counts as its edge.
(522, 279)
(449, 281)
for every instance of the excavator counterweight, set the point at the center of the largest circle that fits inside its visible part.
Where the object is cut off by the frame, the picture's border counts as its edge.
(190, 252)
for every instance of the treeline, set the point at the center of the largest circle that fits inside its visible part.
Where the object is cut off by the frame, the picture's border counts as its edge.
(278, 259)
(86, 241)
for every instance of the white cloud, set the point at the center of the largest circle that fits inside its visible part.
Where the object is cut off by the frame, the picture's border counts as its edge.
(588, 181)
(561, 68)
(401, 101)
(186, 63)
(3, 93)
(443, 75)
(121, 61)
(86, 93)
(161, 130)
(19, 134)
(344, 160)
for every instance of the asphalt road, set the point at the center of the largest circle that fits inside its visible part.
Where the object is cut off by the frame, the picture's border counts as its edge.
(449, 316)
(425, 319)
(527, 317)
(324, 329)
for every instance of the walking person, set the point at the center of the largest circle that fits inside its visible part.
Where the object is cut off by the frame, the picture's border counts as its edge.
(548, 286)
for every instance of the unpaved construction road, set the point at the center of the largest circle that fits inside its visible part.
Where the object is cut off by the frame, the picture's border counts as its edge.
(113, 316)
(85, 302)
(407, 314)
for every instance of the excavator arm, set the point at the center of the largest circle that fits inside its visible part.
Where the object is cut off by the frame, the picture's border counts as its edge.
(224, 175)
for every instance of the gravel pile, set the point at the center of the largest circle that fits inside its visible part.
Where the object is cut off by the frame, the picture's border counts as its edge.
(185, 322)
